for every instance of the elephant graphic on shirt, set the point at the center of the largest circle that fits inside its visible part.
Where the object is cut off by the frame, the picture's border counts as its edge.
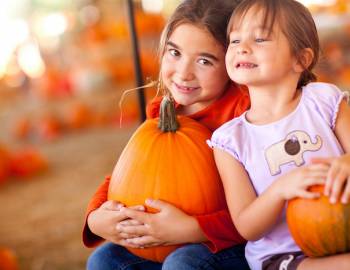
(291, 149)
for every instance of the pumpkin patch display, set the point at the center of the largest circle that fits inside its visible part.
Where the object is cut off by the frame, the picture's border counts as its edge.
(318, 227)
(171, 162)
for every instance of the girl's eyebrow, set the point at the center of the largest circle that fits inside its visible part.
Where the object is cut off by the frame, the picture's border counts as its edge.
(204, 54)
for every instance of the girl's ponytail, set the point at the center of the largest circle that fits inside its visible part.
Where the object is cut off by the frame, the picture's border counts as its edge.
(306, 76)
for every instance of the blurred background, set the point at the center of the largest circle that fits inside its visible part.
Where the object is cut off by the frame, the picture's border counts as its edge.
(64, 66)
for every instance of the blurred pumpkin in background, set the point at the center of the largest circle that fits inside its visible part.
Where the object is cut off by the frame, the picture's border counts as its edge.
(78, 115)
(4, 163)
(22, 128)
(49, 127)
(8, 260)
(27, 162)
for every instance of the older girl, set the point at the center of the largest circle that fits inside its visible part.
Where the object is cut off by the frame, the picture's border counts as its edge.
(192, 50)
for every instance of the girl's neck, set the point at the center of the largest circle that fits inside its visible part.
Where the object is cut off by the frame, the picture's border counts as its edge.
(272, 103)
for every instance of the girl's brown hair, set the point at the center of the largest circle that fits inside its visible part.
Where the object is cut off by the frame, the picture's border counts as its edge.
(296, 23)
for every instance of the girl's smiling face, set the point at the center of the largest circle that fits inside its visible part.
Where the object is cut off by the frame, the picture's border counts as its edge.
(257, 56)
(193, 67)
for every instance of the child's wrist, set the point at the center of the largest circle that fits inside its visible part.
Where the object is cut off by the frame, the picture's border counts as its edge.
(277, 190)
(193, 232)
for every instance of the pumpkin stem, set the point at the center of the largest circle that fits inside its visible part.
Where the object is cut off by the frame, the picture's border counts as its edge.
(167, 115)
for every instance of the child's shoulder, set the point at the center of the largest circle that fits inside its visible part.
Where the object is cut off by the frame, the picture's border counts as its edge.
(322, 91)
(227, 137)
(228, 133)
(324, 99)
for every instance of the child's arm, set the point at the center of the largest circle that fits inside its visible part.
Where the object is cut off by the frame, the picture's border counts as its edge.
(101, 219)
(89, 238)
(252, 215)
(338, 182)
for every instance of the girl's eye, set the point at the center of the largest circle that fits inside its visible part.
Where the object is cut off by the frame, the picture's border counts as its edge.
(259, 40)
(234, 41)
(174, 52)
(204, 61)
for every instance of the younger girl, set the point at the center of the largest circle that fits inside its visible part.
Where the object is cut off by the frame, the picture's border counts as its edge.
(193, 69)
(264, 155)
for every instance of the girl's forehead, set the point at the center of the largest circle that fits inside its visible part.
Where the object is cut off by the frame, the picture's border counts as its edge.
(256, 20)
(254, 16)
(193, 39)
(188, 26)
(190, 31)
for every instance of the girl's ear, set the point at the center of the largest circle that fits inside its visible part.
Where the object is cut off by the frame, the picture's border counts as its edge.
(304, 60)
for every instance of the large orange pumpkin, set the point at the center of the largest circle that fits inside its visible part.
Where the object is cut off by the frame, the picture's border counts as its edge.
(170, 163)
(8, 260)
(318, 227)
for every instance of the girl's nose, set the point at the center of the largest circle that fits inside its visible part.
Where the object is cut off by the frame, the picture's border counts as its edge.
(243, 49)
(184, 71)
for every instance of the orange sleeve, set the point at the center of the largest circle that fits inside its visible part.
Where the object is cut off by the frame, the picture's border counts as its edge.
(89, 238)
(219, 230)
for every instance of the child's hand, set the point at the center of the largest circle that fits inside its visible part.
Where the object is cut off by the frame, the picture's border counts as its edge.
(169, 226)
(296, 183)
(338, 177)
(104, 220)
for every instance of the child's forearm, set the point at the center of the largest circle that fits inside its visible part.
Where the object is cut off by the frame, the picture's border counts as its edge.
(260, 215)
(193, 232)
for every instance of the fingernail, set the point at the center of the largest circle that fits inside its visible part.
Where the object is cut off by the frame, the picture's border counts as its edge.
(149, 201)
(333, 200)
(344, 200)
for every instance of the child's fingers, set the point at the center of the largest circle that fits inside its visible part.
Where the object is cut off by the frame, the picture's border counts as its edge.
(134, 230)
(308, 194)
(346, 194)
(130, 222)
(337, 187)
(322, 160)
(138, 207)
(319, 167)
(317, 171)
(142, 241)
(125, 243)
(312, 181)
(141, 216)
(112, 205)
(330, 180)
(127, 235)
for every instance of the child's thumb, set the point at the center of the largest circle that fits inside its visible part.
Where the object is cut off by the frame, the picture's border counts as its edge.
(113, 205)
(157, 204)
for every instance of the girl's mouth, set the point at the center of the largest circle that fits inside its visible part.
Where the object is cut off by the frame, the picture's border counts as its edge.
(185, 89)
(246, 65)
